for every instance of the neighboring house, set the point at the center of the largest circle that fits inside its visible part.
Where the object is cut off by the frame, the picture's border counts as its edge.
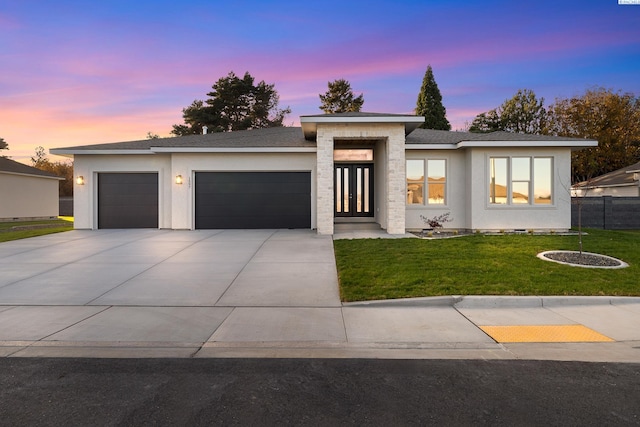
(623, 182)
(26, 192)
(349, 167)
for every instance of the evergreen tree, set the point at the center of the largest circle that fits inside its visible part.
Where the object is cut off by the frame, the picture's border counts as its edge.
(234, 104)
(340, 98)
(3, 145)
(430, 105)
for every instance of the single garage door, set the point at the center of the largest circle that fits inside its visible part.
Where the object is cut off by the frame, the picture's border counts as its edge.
(128, 200)
(253, 200)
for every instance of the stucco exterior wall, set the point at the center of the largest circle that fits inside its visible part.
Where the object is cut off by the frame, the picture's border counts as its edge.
(455, 190)
(24, 196)
(85, 197)
(176, 201)
(484, 216)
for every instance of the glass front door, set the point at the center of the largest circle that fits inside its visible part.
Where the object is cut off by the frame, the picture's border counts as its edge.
(353, 184)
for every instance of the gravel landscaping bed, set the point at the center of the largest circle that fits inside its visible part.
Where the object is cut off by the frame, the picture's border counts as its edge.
(584, 259)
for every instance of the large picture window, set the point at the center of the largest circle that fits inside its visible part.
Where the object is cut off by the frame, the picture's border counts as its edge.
(520, 180)
(432, 190)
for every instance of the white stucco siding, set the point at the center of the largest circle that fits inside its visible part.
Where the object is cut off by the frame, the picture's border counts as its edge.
(24, 196)
(182, 209)
(486, 216)
(455, 190)
(85, 197)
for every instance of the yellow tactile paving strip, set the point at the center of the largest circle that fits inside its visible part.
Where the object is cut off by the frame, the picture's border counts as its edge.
(544, 333)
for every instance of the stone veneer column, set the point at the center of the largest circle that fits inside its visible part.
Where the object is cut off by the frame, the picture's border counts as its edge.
(396, 193)
(324, 181)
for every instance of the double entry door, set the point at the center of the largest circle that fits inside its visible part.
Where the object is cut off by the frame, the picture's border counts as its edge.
(353, 189)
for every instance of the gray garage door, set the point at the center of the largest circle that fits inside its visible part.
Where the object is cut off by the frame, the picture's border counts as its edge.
(253, 200)
(128, 200)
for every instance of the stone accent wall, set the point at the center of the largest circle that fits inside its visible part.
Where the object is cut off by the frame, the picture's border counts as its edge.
(394, 193)
(396, 181)
(324, 171)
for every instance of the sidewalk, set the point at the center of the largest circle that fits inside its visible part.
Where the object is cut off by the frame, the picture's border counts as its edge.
(598, 329)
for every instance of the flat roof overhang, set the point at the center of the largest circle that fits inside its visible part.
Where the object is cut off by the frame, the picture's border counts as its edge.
(310, 123)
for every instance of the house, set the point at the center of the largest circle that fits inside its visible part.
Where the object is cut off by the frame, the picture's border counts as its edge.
(26, 192)
(349, 167)
(623, 182)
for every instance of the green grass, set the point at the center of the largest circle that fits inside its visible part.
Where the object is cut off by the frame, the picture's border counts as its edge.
(373, 269)
(9, 232)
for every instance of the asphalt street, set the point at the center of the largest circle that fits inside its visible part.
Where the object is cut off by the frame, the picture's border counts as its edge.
(193, 392)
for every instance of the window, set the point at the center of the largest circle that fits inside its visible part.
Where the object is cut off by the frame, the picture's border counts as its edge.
(353, 155)
(434, 189)
(542, 184)
(437, 180)
(520, 179)
(415, 182)
(515, 180)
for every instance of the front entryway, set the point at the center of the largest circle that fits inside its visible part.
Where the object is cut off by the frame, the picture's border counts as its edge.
(353, 190)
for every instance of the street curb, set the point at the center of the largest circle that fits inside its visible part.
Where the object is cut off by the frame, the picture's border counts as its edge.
(482, 301)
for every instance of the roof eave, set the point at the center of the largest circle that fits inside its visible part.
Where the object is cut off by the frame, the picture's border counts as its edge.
(430, 147)
(233, 149)
(576, 144)
(70, 152)
(310, 123)
(33, 175)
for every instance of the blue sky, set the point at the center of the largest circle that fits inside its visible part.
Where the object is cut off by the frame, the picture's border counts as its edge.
(84, 72)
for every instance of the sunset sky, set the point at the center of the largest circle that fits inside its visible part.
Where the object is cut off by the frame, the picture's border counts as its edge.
(87, 72)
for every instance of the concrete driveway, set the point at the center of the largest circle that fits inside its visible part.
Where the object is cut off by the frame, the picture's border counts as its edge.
(152, 286)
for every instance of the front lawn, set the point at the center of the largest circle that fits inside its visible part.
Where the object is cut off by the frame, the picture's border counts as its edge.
(23, 229)
(371, 269)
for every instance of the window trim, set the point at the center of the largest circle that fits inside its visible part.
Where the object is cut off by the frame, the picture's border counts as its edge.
(425, 183)
(531, 204)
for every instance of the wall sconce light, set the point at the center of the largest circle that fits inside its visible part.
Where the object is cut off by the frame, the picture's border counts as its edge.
(80, 180)
(178, 179)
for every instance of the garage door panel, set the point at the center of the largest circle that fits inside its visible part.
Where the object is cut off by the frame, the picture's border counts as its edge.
(253, 200)
(257, 221)
(128, 200)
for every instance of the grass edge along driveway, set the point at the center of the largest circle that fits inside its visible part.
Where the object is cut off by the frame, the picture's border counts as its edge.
(16, 230)
(373, 269)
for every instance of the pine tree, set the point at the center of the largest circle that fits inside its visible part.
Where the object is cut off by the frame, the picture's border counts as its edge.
(430, 105)
(234, 104)
(340, 98)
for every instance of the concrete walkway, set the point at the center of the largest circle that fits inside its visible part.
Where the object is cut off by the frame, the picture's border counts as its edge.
(267, 293)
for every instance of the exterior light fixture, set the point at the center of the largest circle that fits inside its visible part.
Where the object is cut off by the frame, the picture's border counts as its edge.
(80, 180)
(179, 179)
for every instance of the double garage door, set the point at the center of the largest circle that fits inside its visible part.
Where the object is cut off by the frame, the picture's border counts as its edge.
(253, 199)
(222, 200)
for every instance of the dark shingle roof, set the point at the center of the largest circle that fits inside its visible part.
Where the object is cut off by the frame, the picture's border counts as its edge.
(359, 114)
(11, 166)
(267, 137)
(430, 136)
(615, 178)
(294, 137)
